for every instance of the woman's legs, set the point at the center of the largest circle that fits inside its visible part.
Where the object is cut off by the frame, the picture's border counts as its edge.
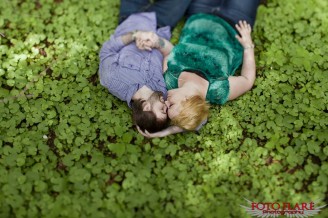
(168, 12)
(231, 10)
(204, 6)
(235, 10)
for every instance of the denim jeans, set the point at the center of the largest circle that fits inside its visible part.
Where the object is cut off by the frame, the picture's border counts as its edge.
(168, 12)
(230, 10)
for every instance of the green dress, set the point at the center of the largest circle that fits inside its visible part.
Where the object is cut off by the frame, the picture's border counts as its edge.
(207, 45)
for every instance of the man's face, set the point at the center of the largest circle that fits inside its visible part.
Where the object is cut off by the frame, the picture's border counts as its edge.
(158, 106)
(174, 99)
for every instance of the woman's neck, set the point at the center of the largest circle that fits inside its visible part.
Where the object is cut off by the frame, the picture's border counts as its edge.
(193, 84)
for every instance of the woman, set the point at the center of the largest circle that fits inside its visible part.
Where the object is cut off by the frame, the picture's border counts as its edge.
(201, 67)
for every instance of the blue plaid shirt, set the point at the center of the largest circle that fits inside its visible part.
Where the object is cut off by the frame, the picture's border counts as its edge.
(124, 69)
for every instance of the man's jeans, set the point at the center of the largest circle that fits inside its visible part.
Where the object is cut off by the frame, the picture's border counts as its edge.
(168, 12)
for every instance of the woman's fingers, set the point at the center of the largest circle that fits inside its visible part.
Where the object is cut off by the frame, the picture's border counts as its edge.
(244, 30)
(238, 38)
(237, 27)
(243, 27)
(142, 45)
(240, 27)
(146, 133)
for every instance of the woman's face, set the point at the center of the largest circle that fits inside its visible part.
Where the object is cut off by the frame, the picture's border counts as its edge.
(174, 99)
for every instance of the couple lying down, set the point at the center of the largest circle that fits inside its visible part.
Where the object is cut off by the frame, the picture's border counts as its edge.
(138, 64)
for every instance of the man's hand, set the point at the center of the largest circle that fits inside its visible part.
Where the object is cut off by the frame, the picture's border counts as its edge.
(245, 38)
(146, 40)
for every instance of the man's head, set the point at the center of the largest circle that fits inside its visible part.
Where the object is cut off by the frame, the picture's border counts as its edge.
(150, 114)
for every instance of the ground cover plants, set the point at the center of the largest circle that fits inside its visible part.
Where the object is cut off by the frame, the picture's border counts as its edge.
(68, 147)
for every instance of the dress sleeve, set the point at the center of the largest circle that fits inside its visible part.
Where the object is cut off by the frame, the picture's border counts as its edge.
(218, 91)
(171, 80)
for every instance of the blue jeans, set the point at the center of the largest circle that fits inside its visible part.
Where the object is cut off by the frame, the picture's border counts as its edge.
(168, 12)
(230, 10)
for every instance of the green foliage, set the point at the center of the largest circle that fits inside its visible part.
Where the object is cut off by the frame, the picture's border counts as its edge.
(68, 149)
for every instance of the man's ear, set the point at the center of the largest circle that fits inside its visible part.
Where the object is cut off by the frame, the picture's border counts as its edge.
(146, 106)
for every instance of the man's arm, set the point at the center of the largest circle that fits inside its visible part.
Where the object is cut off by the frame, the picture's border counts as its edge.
(115, 44)
(129, 37)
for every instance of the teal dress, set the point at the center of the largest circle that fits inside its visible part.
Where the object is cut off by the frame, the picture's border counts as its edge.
(207, 45)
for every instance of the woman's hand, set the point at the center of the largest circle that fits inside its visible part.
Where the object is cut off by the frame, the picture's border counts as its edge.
(243, 83)
(245, 38)
(168, 131)
(146, 40)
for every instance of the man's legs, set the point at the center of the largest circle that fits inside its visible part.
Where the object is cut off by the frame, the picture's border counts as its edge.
(169, 12)
(129, 7)
(235, 10)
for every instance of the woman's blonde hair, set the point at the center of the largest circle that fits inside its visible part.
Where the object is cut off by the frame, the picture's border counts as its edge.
(193, 111)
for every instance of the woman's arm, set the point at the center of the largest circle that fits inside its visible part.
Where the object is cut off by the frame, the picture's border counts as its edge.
(150, 40)
(164, 46)
(243, 83)
(165, 132)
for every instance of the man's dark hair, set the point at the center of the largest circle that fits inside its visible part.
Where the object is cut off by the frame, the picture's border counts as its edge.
(146, 120)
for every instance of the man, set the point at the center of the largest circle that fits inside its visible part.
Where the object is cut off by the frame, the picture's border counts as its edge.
(130, 69)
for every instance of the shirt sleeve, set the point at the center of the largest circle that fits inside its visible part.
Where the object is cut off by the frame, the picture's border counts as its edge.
(111, 47)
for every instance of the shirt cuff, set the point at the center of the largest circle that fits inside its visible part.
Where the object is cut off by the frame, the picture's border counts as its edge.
(164, 32)
(118, 43)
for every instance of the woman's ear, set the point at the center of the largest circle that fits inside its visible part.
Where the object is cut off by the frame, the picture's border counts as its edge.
(146, 106)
